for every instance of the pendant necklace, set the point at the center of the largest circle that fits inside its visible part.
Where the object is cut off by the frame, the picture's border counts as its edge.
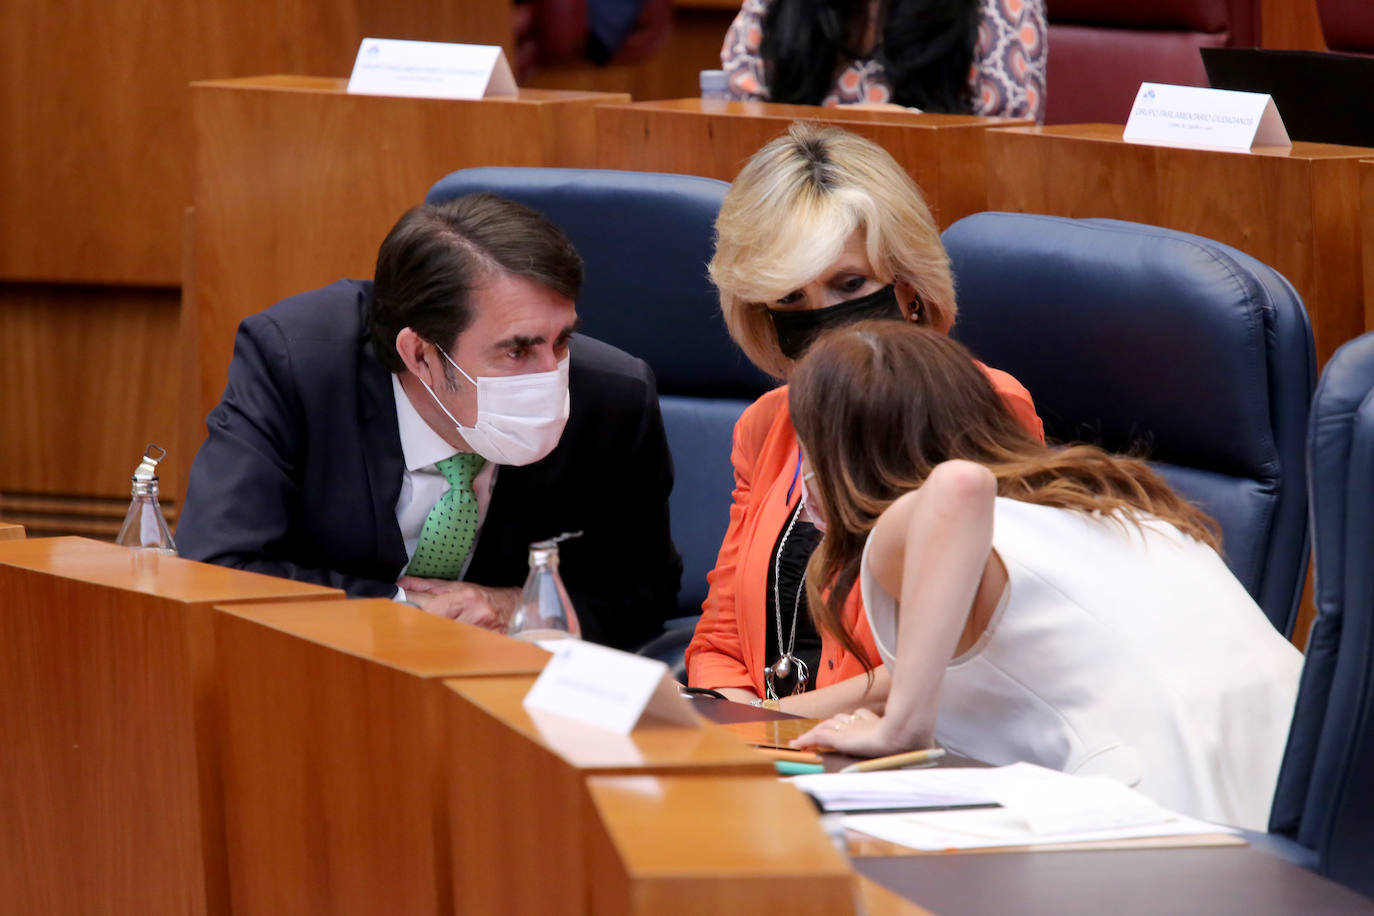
(787, 662)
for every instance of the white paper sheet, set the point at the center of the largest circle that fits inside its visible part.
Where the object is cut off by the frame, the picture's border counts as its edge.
(988, 827)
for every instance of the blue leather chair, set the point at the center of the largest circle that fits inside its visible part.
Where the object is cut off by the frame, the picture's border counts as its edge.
(1149, 340)
(646, 239)
(1325, 796)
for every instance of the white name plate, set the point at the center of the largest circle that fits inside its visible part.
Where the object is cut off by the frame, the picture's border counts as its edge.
(1204, 118)
(431, 70)
(607, 688)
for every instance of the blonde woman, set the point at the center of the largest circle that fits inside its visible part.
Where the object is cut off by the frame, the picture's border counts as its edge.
(821, 228)
(1063, 607)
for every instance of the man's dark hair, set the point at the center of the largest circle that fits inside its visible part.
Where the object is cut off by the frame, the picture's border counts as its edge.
(437, 254)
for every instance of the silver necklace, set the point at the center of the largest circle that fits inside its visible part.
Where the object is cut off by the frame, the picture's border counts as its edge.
(783, 667)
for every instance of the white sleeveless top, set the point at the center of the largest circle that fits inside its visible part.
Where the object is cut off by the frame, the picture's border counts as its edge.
(1127, 651)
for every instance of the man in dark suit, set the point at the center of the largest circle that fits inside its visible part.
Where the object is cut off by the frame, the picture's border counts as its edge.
(411, 437)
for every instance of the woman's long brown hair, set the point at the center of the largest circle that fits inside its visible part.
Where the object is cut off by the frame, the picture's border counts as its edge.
(877, 405)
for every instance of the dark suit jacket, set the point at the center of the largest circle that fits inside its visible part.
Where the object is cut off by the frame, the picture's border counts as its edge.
(301, 471)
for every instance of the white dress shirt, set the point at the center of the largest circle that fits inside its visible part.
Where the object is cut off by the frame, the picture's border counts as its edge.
(422, 484)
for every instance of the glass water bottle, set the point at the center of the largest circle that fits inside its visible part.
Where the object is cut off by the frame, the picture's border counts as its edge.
(544, 611)
(144, 525)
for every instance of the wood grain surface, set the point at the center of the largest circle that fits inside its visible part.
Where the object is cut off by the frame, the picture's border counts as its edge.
(334, 766)
(87, 380)
(108, 779)
(945, 154)
(517, 794)
(1291, 25)
(95, 190)
(10, 531)
(674, 845)
(1296, 209)
(1367, 239)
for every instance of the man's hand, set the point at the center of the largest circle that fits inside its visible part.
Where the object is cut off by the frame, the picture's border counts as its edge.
(490, 608)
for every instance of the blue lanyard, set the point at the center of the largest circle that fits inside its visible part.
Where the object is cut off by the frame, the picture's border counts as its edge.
(796, 475)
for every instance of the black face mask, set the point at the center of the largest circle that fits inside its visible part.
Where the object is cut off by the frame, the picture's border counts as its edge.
(797, 329)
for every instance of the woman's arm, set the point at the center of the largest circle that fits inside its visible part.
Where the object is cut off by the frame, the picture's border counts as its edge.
(740, 56)
(845, 696)
(931, 547)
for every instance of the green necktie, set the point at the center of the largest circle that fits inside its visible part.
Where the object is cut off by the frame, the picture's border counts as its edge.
(451, 526)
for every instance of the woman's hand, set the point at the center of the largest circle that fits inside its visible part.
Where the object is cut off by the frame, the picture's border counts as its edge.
(859, 733)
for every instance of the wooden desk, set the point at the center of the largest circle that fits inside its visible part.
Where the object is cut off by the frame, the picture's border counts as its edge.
(334, 769)
(1367, 238)
(1296, 210)
(1226, 880)
(297, 182)
(944, 153)
(519, 807)
(108, 781)
(678, 845)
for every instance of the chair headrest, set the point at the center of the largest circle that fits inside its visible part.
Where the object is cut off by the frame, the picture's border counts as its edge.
(646, 238)
(1140, 336)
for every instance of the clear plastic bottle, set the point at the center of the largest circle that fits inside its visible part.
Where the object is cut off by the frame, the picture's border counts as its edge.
(545, 611)
(713, 85)
(144, 526)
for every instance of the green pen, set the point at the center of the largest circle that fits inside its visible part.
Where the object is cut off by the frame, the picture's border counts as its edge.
(794, 768)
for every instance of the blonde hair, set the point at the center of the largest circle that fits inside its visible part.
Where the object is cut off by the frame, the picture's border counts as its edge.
(791, 211)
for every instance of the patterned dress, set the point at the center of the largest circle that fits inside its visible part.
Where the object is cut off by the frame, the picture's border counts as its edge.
(1007, 77)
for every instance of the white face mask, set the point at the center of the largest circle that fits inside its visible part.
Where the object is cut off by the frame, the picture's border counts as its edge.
(519, 417)
(808, 510)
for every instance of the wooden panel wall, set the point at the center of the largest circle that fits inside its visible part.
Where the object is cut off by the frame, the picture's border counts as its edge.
(1291, 25)
(1367, 239)
(94, 176)
(88, 377)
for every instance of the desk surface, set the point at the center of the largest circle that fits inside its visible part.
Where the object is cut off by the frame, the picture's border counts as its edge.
(649, 748)
(777, 111)
(1112, 133)
(1175, 875)
(1212, 881)
(294, 82)
(172, 578)
(398, 636)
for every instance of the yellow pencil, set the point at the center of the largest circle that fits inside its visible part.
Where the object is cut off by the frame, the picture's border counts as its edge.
(895, 761)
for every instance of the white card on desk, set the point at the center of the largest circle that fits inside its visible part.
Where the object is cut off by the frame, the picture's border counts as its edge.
(607, 688)
(430, 69)
(1204, 118)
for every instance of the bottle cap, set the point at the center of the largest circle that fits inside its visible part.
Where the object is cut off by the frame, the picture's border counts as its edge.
(553, 542)
(147, 468)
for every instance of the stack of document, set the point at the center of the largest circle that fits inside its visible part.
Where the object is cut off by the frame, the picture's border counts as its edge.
(890, 790)
(1031, 805)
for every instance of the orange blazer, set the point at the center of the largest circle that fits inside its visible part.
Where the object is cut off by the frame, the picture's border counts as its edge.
(728, 645)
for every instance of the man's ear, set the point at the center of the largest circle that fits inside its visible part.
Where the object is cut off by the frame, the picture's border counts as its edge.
(416, 354)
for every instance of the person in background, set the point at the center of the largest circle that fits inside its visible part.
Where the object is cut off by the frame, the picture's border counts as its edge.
(411, 436)
(1063, 607)
(820, 229)
(982, 57)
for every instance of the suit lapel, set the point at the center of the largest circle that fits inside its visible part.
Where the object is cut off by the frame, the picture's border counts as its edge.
(382, 452)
